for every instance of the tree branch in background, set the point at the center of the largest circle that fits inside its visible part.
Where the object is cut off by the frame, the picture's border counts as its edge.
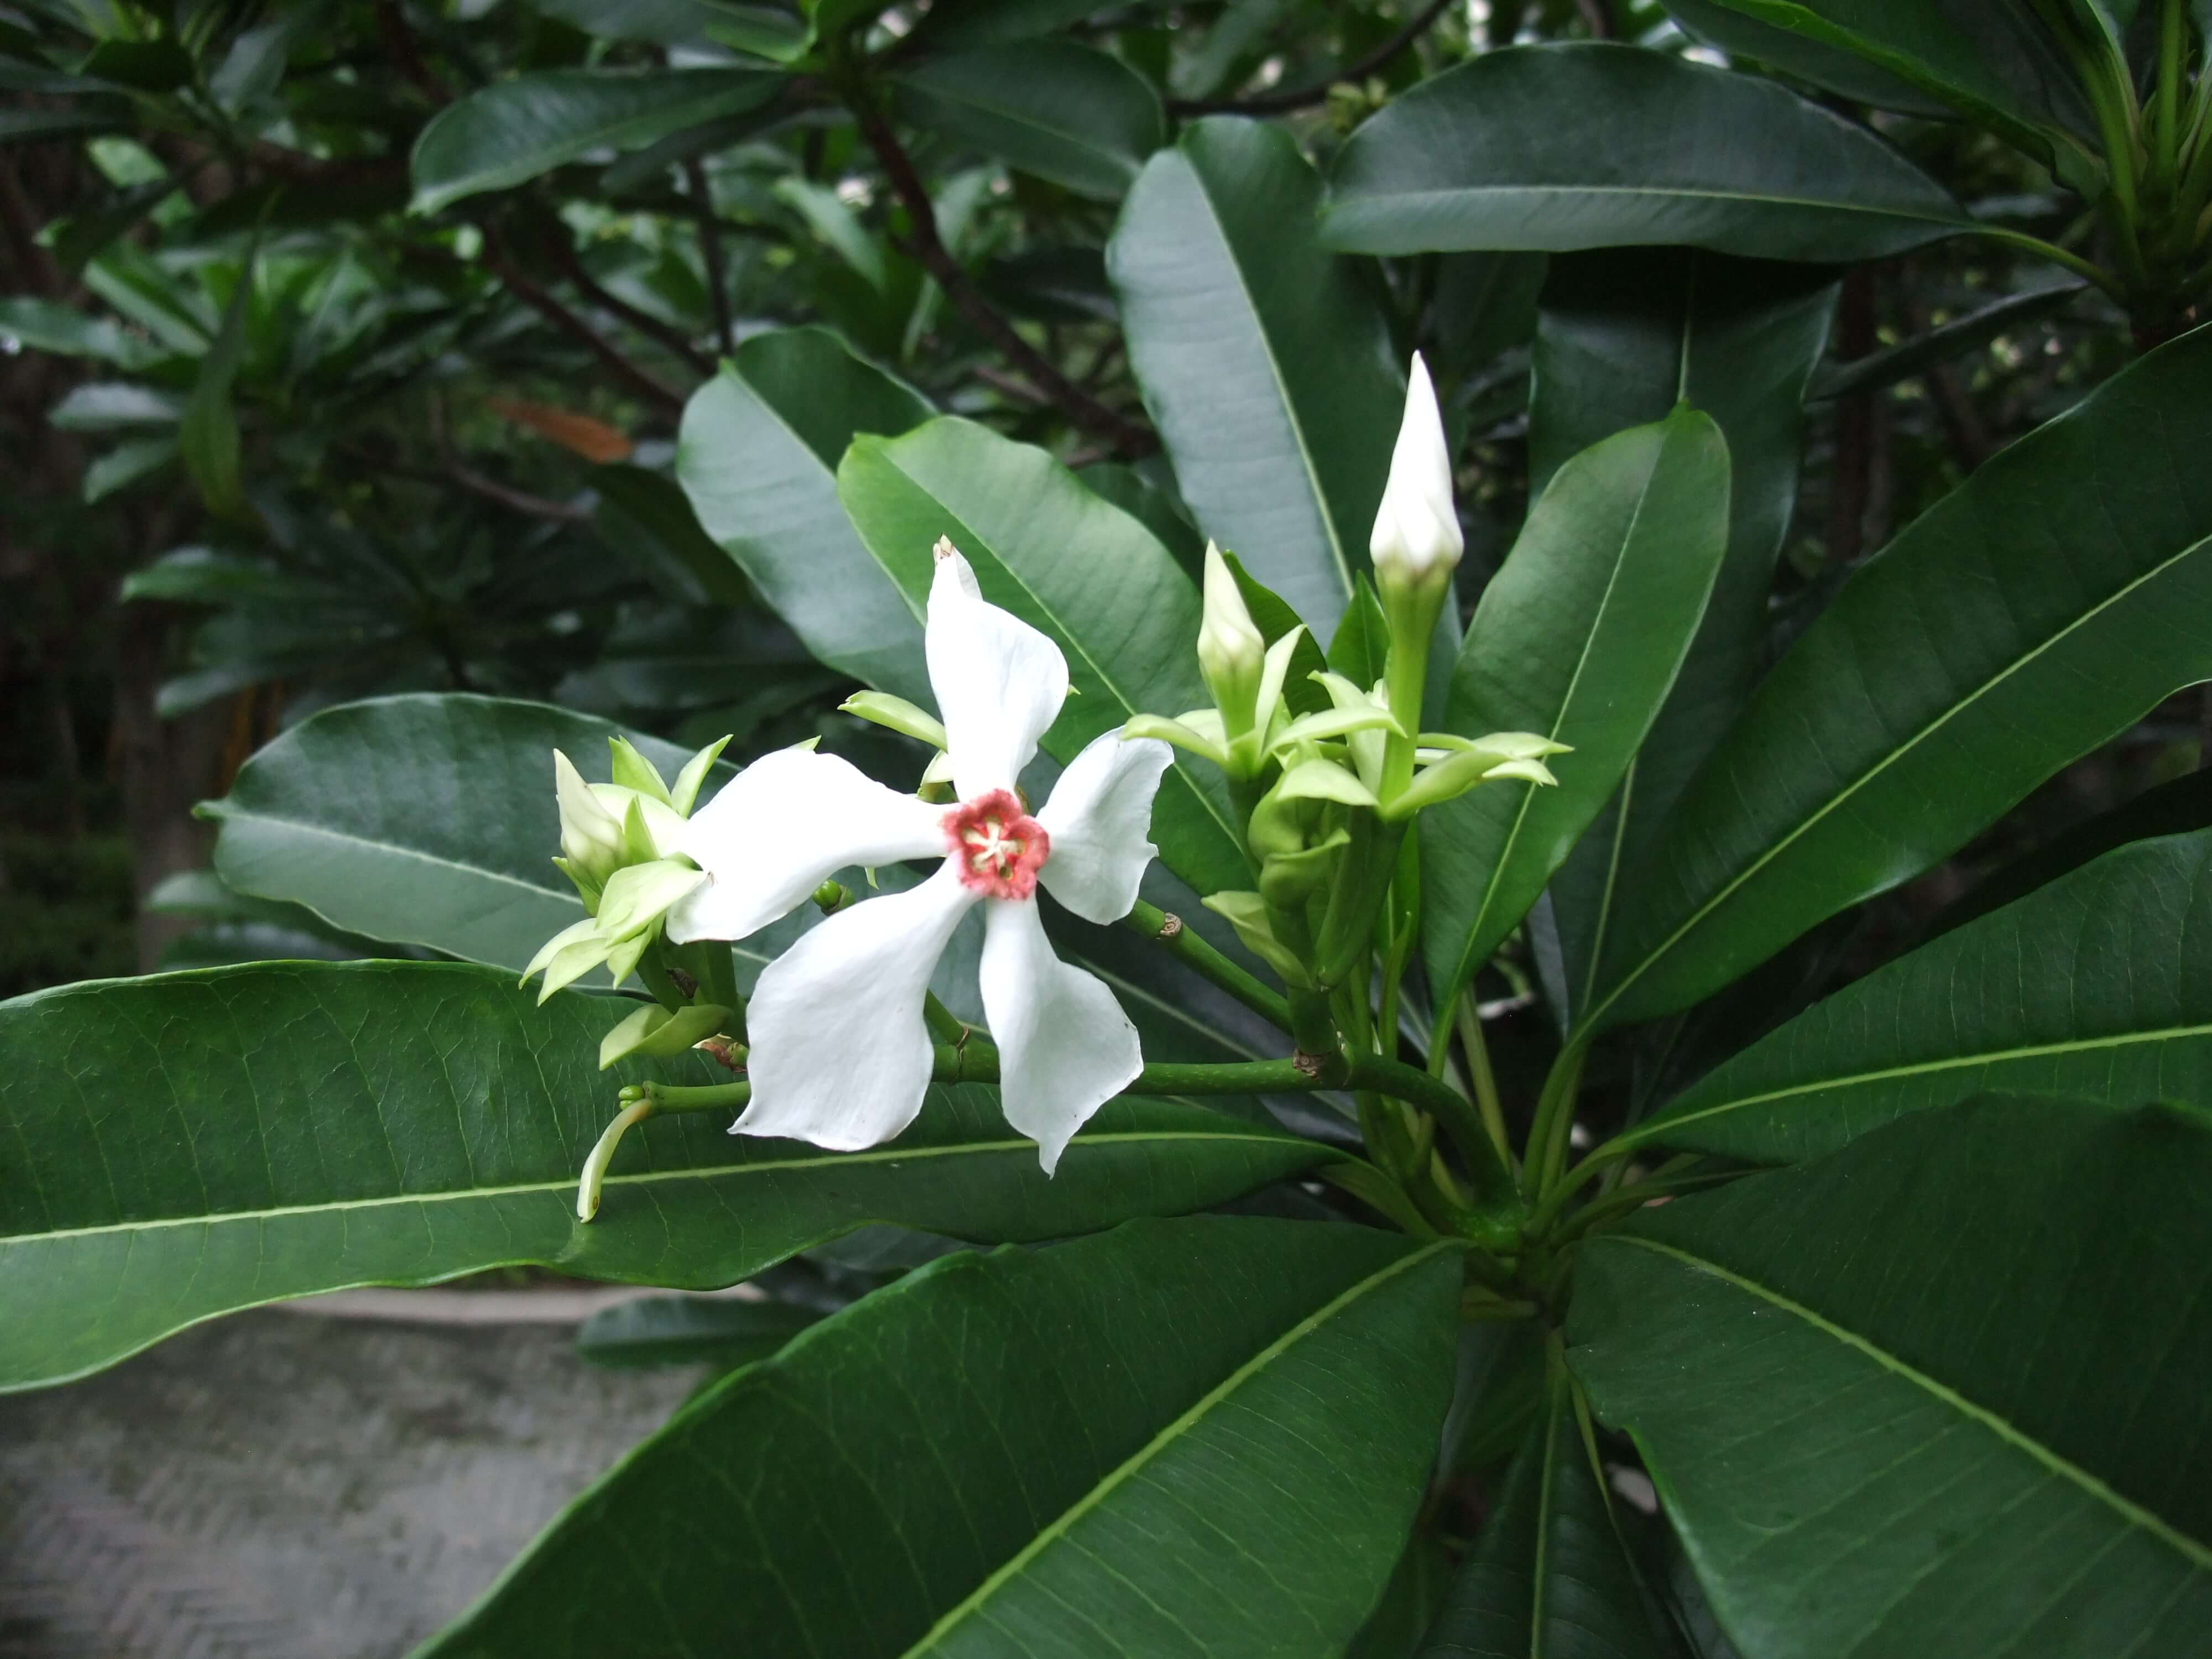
(1597, 17)
(710, 252)
(563, 255)
(1128, 438)
(1275, 103)
(399, 42)
(628, 372)
(1852, 475)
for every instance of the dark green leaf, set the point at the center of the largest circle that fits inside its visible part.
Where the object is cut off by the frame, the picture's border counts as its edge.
(514, 130)
(200, 575)
(49, 325)
(207, 433)
(2032, 614)
(1159, 511)
(83, 119)
(1266, 361)
(1941, 1393)
(1550, 1576)
(1578, 638)
(186, 1145)
(1998, 65)
(663, 22)
(1661, 150)
(423, 819)
(690, 1330)
(1124, 613)
(132, 459)
(648, 517)
(2099, 987)
(1064, 1452)
(1620, 337)
(103, 405)
(1064, 111)
(758, 457)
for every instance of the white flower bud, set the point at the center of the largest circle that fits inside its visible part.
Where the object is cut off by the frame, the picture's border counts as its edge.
(1416, 543)
(591, 837)
(1232, 653)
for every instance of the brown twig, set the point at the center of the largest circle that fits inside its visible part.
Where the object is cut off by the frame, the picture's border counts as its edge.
(522, 500)
(1851, 476)
(563, 255)
(1597, 17)
(1128, 437)
(1275, 103)
(399, 43)
(576, 328)
(710, 252)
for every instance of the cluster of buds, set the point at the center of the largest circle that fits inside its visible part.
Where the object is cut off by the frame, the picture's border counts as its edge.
(1333, 786)
(620, 846)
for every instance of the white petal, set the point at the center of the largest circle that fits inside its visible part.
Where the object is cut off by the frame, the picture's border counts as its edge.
(1416, 528)
(839, 1053)
(782, 827)
(1097, 818)
(999, 682)
(1064, 1046)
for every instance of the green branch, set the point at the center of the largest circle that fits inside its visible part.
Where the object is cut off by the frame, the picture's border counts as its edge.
(1183, 944)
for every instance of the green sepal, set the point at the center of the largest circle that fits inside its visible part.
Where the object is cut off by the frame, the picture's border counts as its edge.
(1182, 734)
(1322, 779)
(911, 720)
(639, 894)
(652, 1030)
(633, 771)
(1288, 879)
(683, 794)
(1448, 780)
(1336, 723)
(1247, 913)
(638, 844)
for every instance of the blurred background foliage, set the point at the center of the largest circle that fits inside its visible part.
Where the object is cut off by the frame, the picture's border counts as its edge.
(345, 342)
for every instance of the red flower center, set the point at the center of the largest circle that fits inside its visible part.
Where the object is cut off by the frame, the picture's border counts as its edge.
(997, 848)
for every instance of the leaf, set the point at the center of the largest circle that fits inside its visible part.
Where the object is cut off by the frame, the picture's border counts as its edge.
(2098, 988)
(758, 456)
(126, 464)
(186, 1145)
(690, 1330)
(1621, 336)
(200, 575)
(1065, 112)
(1083, 1449)
(1942, 344)
(1666, 151)
(1578, 638)
(1550, 1576)
(2035, 612)
(38, 325)
(512, 130)
(207, 433)
(1998, 66)
(104, 406)
(648, 516)
(424, 819)
(1941, 1393)
(1266, 361)
(1124, 613)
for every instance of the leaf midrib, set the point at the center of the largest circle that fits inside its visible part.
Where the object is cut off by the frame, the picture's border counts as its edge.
(1254, 1134)
(1350, 204)
(2198, 1554)
(1166, 1437)
(1653, 1130)
(1836, 801)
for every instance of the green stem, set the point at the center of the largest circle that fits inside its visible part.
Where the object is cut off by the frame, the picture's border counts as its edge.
(943, 1024)
(1487, 1099)
(2087, 269)
(1555, 1117)
(2172, 49)
(1182, 942)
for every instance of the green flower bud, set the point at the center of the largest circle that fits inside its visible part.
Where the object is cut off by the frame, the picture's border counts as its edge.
(1232, 653)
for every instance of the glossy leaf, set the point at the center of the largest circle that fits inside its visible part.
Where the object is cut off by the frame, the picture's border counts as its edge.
(1997, 65)
(647, 515)
(422, 819)
(38, 325)
(1065, 112)
(2099, 987)
(2032, 614)
(1578, 638)
(1942, 1392)
(1265, 361)
(758, 456)
(690, 1330)
(512, 130)
(1549, 1576)
(186, 1145)
(1621, 337)
(1666, 151)
(1124, 613)
(1050, 1454)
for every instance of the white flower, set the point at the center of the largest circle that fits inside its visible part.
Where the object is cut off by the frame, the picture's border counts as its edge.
(1416, 542)
(839, 1053)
